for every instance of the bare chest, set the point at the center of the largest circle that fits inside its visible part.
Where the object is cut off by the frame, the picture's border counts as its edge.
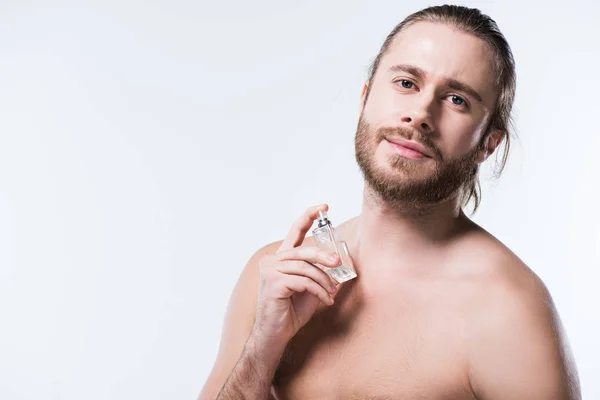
(396, 344)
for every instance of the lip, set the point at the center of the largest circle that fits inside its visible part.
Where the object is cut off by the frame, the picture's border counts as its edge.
(410, 149)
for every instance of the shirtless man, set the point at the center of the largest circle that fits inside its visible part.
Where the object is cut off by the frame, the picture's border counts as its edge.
(440, 309)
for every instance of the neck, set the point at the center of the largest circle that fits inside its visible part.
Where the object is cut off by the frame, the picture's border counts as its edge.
(387, 230)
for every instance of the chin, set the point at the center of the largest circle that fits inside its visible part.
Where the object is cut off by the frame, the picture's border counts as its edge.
(401, 167)
(402, 177)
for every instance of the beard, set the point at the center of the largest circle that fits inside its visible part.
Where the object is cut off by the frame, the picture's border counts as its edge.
(416, 184)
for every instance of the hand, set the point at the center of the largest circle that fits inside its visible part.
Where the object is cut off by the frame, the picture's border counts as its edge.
(291, 285)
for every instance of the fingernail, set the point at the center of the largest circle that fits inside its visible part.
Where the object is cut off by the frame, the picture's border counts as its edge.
(332, 289)
(333, 257)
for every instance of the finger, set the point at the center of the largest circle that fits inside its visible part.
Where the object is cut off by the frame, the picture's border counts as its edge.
(309, 254)
(313, 272)
(301, 283)
(298, 231)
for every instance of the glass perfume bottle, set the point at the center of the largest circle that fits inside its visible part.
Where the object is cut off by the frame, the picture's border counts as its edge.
(327, 239)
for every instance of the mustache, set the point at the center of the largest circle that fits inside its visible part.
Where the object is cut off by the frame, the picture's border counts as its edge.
(388, 133)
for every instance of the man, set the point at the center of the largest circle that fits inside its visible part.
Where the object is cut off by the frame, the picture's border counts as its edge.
(440, 308)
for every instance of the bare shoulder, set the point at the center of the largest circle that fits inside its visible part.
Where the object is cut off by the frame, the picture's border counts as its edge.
(517, 346)
(242, 301)
(238, 322)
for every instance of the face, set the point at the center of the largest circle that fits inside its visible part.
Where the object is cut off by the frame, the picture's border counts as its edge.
(419, 137)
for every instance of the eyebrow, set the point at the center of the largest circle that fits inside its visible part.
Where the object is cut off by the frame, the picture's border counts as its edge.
(450, 82)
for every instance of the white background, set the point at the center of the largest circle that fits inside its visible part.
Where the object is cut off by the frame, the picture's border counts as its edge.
(147, 149)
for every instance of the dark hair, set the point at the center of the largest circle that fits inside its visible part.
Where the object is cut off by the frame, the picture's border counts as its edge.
(474, 22)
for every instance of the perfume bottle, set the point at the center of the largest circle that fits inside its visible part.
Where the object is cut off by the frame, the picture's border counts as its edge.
(327, 239)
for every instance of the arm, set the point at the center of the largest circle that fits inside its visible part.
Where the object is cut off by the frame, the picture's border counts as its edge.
(276, 295)
(237, 326)
(252, 375)
(521, 351)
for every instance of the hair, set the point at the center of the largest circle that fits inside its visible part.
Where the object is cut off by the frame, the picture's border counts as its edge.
(474, 22)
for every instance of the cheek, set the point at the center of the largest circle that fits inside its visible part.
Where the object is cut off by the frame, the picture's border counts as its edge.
(384, 111)
(459, 134)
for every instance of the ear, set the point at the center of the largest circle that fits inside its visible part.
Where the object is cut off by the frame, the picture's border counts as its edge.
(363, 98)
(489, 146)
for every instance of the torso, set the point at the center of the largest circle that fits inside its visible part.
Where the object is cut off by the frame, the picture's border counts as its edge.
(403, 335)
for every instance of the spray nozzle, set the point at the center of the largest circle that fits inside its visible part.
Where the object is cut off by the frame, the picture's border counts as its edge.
(323, 218)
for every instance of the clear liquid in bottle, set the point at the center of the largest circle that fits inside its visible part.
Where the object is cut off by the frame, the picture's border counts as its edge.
(327, 239)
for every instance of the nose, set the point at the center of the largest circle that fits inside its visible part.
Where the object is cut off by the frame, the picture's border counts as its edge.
(419, 117)
(418, 122)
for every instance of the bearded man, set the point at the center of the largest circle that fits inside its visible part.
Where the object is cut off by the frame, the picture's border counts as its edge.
(440, 308)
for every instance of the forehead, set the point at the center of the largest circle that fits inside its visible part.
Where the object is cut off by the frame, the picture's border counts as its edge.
(443, 51)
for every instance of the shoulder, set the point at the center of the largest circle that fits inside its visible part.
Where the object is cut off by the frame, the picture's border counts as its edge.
(508, 290)
(268, 249)
(517, 344)
(238, 321)
(248, 279)
(500, 279)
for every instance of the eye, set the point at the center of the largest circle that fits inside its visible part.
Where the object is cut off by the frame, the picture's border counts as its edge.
(458, 101)
(406, 84)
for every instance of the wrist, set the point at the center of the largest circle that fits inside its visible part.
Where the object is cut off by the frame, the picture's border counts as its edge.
(265, 354)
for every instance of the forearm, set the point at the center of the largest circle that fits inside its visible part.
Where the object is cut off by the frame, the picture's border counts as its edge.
(251, 377)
